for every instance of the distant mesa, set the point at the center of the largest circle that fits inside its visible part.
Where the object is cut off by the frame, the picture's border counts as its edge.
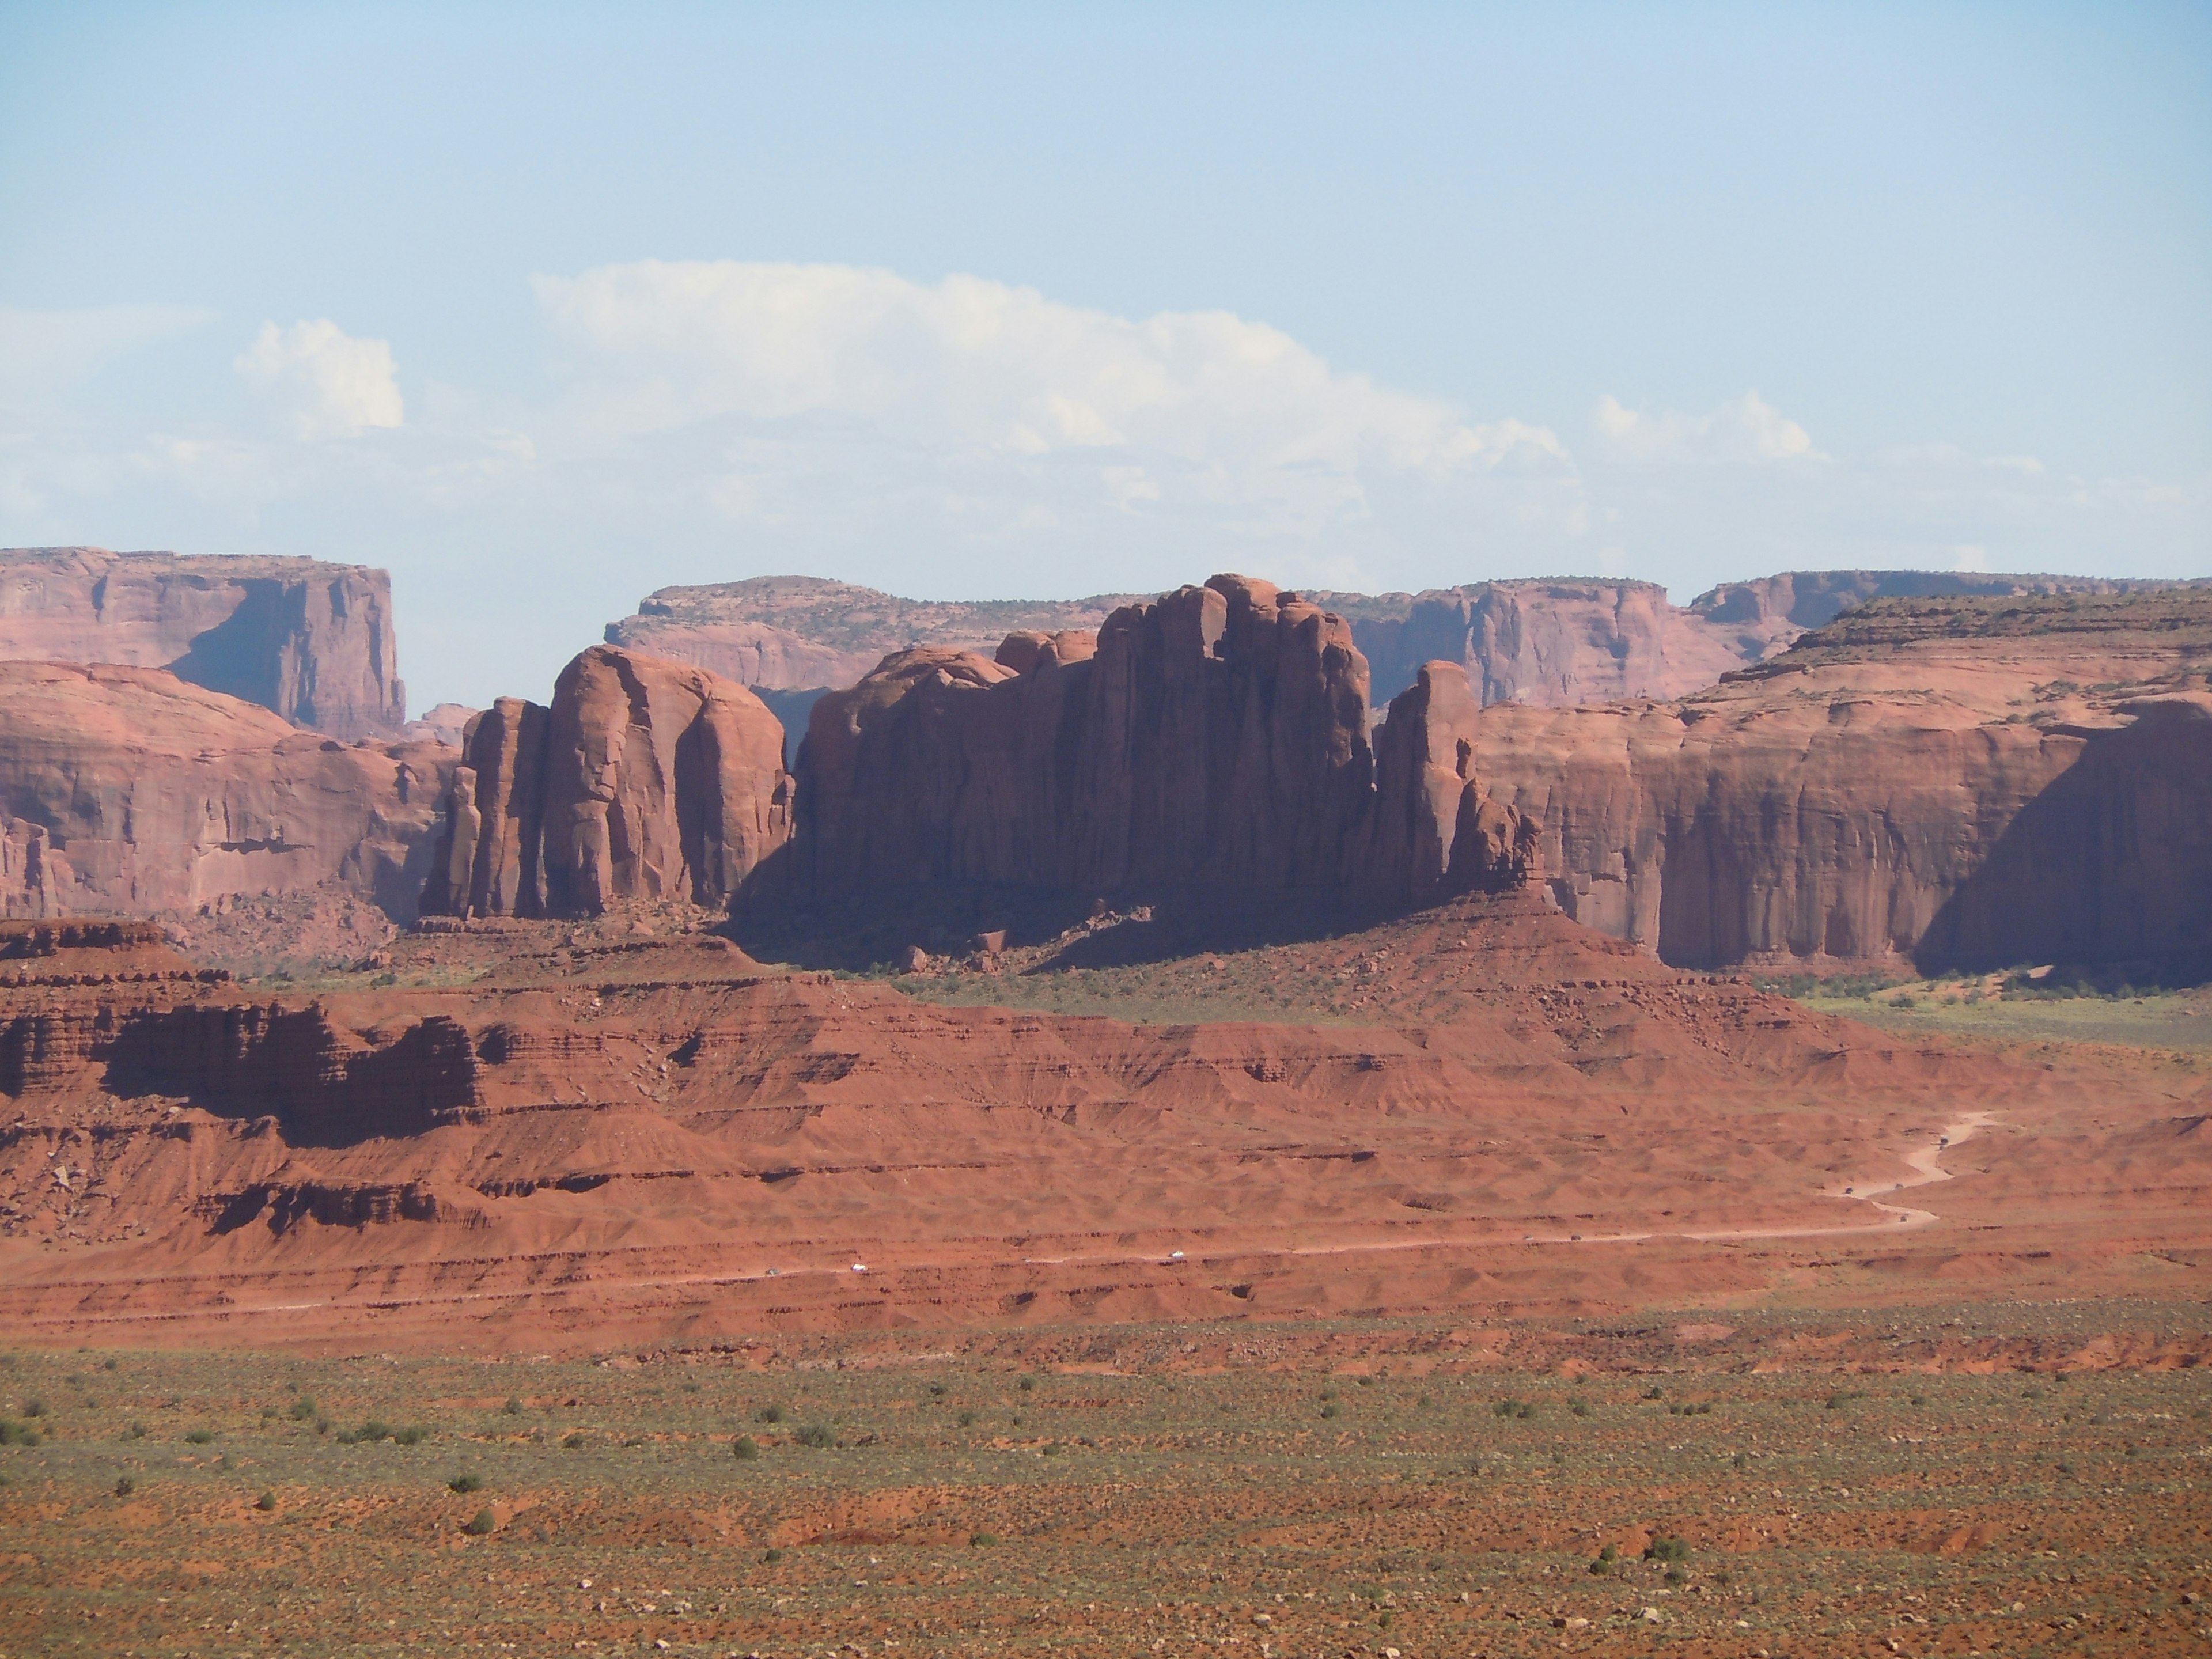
(445, 723)
(1552, 643)
(310, 640)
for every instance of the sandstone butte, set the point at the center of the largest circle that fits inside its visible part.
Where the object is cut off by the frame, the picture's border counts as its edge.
(310, 640)
(644, 779)
(1215, 740)
(1952, 782)
(1925, 779)
(1551, 642)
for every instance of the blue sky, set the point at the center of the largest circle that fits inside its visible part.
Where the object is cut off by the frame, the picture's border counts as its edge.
(542, 308)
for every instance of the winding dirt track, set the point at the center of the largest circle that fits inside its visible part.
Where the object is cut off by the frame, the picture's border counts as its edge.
(1927, 1171)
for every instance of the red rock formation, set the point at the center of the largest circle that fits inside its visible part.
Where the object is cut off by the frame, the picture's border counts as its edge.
(798, 633)
(1435, 833)
(1924, 781)
(124, 791)
(1216, 736)
(1863, 798)
(1555, 642)
(529, 1145)
(645, 779)
(311, 640)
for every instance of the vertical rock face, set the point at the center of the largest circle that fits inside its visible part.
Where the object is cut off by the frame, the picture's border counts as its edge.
(1225, 739)
(1925, 780)
(1217, 735)
(1549, 643)
(645, 779)
(124, 791)
(1435, 833)
(310, 640)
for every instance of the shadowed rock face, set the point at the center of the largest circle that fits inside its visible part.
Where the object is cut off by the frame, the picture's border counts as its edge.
(312, 641)
(645, 779)
(1215, 738)
(1921, 779)
(124, 791)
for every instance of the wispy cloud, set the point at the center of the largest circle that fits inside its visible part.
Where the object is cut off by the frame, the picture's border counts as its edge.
(708, 421)
(1185, 403)
(1746, 428)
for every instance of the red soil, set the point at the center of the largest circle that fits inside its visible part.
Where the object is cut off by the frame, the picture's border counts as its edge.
(571, 1146)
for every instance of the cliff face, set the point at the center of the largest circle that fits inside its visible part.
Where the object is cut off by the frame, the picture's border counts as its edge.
(1551, 643)
(125, 791)
(1924, 780)
(802, 633)
(1218, 734)
(644, 779)
(310, 640)
(1217, 738)
(1554, 643)
(1921, 779)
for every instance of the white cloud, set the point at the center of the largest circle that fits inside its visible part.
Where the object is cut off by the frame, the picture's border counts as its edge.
(1221, 405)
(331, 385)
(1970, 557)
(956, 438)
(1746, 428)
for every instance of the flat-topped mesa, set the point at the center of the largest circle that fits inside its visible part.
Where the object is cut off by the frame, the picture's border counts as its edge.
(311, 640)
(1552, 643)
(644, 779)
(1548, 641)
(1217, 738)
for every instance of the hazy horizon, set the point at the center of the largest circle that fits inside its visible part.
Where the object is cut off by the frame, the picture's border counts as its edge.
(545, 310)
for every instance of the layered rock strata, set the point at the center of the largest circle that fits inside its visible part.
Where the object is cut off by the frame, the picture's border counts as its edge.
(1553, 642)
(1922, 781)
(124, 791)
(644, 779)
(310, 640)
